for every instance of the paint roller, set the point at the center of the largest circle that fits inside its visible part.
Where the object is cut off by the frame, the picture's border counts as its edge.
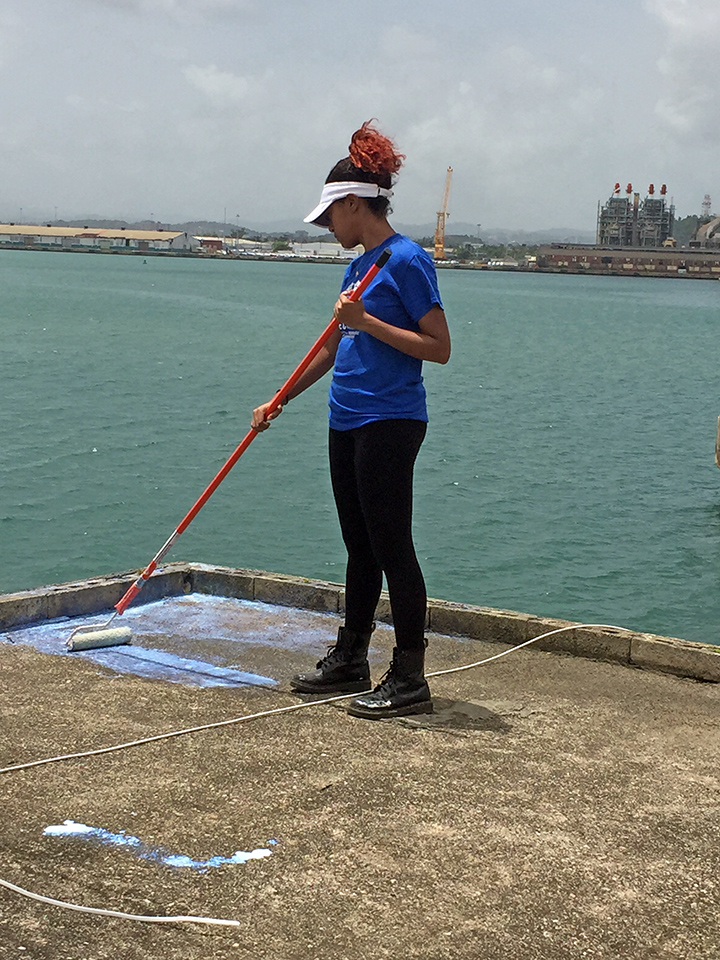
(90, 637)
(98, 637)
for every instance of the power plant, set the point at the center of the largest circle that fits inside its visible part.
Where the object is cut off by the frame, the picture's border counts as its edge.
(635, 238)
(626, 221)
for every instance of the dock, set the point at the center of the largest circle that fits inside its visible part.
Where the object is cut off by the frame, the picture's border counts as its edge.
(562, 801)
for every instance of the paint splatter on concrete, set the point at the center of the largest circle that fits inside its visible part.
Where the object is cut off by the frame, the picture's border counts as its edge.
(81, 831)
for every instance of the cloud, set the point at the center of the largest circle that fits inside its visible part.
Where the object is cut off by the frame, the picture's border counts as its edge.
(694, 21)
(10, 22)
(182, 9)
(399, 43)
(690, 85)
(514, 126)
(220, 86)
(538, 113)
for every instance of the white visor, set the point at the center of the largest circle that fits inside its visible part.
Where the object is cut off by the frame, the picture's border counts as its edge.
(336, 191)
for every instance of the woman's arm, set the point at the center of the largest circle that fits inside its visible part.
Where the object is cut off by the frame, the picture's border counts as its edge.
(319, 366)
(431, 342)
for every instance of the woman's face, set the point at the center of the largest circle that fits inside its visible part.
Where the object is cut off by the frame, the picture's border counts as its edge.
(342, 221)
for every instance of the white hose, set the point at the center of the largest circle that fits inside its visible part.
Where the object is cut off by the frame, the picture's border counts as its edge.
(116, 913)
(225, 723)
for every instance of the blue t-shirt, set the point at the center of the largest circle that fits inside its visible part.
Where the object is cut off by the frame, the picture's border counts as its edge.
(372, 380)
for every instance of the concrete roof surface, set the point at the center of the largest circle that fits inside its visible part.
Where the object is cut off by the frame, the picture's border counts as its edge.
(552, 808)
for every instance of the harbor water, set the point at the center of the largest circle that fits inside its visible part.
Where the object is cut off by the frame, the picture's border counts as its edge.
(568, 469)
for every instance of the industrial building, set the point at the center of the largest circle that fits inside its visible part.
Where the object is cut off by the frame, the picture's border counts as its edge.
(635, 238)
(83, 239)
(626, 221)
(707, 235)
(629, 262)
(24, 236)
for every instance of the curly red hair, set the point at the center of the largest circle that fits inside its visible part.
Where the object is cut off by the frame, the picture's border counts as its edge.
(373, 152)
(373, 159)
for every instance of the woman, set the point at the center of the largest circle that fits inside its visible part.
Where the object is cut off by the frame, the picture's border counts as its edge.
(378, 420)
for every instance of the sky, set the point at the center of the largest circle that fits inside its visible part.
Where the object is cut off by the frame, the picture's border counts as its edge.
(235, 110)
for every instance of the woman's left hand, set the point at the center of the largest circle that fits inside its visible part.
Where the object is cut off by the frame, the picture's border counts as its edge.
(351, 313)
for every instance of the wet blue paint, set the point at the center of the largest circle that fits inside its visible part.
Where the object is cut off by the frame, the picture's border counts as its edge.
(207, 617)
(231, 625)
(149, 662)
(191, 617)
(71, 829)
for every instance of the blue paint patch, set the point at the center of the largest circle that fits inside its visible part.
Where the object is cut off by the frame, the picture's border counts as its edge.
(160, 619)
(207, 617)
(71, 829)
(159, 664)
(218, 633)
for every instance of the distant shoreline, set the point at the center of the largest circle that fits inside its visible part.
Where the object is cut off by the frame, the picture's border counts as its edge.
(606, 270)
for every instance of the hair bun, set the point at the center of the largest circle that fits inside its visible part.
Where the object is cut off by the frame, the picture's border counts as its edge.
(373, 152)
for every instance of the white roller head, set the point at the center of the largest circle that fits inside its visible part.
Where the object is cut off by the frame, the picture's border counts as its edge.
(100, 638)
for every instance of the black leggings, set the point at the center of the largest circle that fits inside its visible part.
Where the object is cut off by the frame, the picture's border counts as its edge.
(371, 469)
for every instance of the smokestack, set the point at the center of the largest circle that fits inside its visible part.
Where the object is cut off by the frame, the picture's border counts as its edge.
(635, 226)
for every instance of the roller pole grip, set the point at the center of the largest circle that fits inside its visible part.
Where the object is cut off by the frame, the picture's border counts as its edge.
(378, 265)
(127, 598)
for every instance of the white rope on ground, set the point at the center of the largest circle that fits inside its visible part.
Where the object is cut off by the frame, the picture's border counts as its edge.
(116, 913)
(225, 723)
(292, 707)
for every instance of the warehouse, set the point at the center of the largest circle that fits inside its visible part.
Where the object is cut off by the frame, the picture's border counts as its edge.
(629, 261)
(84, 239)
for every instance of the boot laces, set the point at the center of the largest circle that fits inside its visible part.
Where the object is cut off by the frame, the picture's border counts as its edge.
(388, 681)
(330, 657)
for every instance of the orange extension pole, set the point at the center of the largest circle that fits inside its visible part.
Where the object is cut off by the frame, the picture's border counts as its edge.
(276, 402)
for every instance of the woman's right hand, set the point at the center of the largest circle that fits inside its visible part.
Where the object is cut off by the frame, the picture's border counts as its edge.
(261, 419)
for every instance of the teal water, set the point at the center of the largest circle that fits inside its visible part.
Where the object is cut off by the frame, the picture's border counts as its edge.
(568, 471)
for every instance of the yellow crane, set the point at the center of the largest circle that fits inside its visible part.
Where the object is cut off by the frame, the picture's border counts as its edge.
(441, 218)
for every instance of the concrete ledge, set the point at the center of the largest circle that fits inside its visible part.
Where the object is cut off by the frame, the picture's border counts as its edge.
(222, 581)
(297, 592)
(479, 623)
(18, 609)
(282, 589)
(86, 597)
(666, 654)
(685, 659)
(506, 626)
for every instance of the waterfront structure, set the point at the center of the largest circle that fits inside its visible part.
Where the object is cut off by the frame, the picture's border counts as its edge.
(700, 264)
(626, 221)
(241, 246)
(24, 236)
(115, 239)
(708, 230)
(708, 235)
(324, 249)
(628, 836)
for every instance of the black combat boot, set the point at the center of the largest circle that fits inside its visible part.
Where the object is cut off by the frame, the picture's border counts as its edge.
(344, 669)
(403, 689)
